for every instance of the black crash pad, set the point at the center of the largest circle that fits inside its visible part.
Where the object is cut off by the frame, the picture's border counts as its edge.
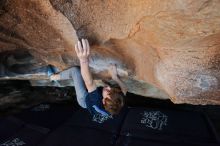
(133, 141)
(55, 125)
(165, 125)
(28, 135)
(79, 136)
(47, 115)
(84, 129)
(9, 126)
(82, 118)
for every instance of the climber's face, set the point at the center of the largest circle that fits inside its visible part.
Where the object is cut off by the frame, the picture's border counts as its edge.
(106, 93)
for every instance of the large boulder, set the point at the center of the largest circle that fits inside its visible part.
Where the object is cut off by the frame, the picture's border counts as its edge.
(173, 46)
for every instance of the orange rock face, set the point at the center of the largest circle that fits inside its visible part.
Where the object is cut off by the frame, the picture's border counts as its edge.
(172, 45)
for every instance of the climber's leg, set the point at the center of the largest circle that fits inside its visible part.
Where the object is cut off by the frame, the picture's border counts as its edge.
(81, 91)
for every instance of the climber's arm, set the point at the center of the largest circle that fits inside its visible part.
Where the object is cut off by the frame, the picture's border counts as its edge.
(82, 51)
(114, 74)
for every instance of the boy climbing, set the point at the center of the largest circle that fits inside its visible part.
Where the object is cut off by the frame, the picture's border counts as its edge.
(98, 100)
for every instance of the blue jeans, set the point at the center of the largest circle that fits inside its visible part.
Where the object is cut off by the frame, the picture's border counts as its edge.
(81, 91)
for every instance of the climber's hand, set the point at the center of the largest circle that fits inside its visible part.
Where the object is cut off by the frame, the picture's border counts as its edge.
(113, 71)
(82, 50)
(114, 74)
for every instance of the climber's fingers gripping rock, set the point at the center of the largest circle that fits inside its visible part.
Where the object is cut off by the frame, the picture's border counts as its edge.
(82, 49)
